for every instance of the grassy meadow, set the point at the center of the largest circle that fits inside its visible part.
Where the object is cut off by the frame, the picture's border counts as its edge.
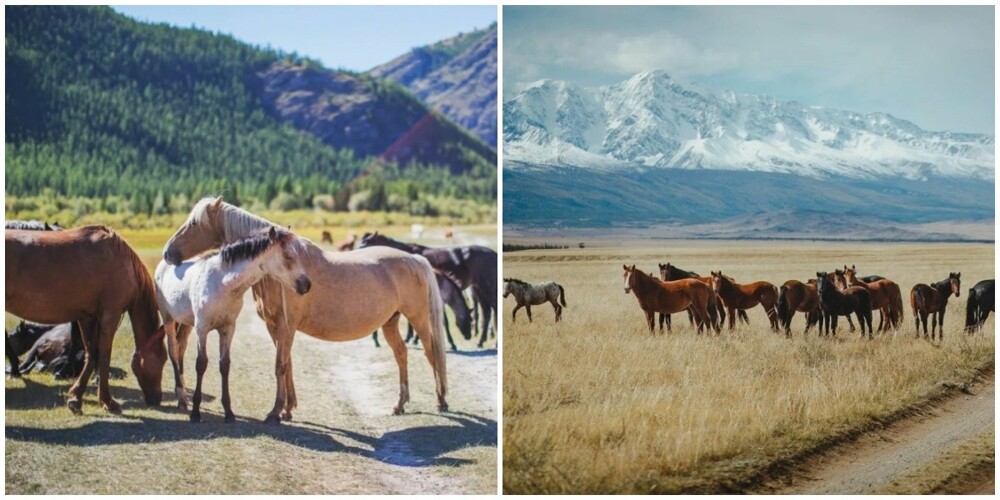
(594, 404)
(343, 438)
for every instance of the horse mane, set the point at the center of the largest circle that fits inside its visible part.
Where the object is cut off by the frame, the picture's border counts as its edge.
(516, 281)
(31, 225)
(450, 277)
(236, 222)
(252, 246)
(411, 247)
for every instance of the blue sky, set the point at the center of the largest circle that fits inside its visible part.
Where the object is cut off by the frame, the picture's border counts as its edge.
(933, 66)
(356, 38)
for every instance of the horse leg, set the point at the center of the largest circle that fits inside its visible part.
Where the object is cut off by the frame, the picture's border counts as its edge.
(513, 315)
(75, 395)
(941, 324)
(225, 344)
(291, 401)
(557, 309)
(527, 307)
(425, 330)
(391, 332)
(177, 339)
(200, 365)
(375, 338)
(833, 323)
(649, 320)
(732, 318)
(108, 325)
(11, 357)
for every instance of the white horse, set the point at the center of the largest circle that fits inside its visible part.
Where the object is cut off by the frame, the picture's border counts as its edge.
(207, 294)
(354, 293)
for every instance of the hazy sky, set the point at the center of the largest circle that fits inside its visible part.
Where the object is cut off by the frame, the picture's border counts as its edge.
(356, 38)
(933, 66)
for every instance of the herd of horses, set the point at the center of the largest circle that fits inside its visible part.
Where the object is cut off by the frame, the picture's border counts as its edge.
(89, 277)
(823, 299)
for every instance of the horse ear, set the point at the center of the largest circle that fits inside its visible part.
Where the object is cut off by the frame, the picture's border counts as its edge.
(853, 268)
(624, 267)
(217, 202)
(273, 233)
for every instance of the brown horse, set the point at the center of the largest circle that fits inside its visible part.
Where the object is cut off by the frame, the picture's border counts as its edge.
(933, 299)
(669, 297)
(326, 238)
(885, 296)
(794, 296)
(736, 296)
(347, 244)
(669, 272)
(91, 275)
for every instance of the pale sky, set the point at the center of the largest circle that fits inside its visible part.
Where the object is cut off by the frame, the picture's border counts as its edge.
(933, 66)
(350, 37)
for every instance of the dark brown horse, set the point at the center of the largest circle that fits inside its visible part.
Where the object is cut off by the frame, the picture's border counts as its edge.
(835, 303)
(885, 295)
(472, 266)
(795, 295)
(979, 305)
(933, 299)
(669, 272)
(736, 296)
(58, 350)
(669, 297)
(91, 275)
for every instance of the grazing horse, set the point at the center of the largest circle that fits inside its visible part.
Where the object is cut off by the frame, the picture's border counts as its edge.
(527, 295)
(669, 297)
(835, 303)
(933, 299)
(452, 296)
(91, 275)
(326, 238)
(353, 293)
(56, 348)
(980, 305)
(885, 296)
(472, 266)
(736, 296)
(207, 294)
(795, 295)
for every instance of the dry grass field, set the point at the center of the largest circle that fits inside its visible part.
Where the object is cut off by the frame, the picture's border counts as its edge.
(594, 404)
(343, 439)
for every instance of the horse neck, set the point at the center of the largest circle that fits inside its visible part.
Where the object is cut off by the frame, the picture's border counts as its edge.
(854, 281)
(643, 282)
(729, 290)
(943, 287)
(144, 312)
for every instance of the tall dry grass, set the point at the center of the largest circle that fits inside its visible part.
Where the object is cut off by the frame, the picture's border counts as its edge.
(594, 404)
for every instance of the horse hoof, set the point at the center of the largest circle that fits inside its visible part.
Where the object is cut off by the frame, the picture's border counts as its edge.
(398, 410)
(286, 416)
(195, 418)
(442, 407)
(182, 406)
(75, 406)
(272, 419)
(112, 406)
(230, 418)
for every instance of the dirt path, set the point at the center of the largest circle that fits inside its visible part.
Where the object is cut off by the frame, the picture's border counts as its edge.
(877, 458)
(355, 386)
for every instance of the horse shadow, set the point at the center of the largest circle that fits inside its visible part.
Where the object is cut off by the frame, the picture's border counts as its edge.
(422, 446)
(481, 353)
(35, 395)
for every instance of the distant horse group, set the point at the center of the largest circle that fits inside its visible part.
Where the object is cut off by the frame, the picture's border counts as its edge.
(823, 299)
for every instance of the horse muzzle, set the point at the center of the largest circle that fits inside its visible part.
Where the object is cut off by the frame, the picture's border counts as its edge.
(302, 285)
(172, 256)
(627, 290)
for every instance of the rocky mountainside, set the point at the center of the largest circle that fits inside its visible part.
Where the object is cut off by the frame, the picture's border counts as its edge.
(457, 77)
(653, 120)
(370, 116)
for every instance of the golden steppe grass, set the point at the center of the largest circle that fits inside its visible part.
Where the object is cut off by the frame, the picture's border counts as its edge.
(594, 404)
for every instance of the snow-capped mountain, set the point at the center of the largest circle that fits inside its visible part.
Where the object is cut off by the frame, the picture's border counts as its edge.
(652, 120)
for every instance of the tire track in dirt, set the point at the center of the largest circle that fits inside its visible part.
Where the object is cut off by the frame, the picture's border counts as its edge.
(878, 457)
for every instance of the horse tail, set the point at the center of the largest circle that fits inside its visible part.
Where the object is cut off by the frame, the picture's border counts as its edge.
(917, 301)
(562, 295)
(436, 321)
(970, 309)
(897, 301)
(783, 304)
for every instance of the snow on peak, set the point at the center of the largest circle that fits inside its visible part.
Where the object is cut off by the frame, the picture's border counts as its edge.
(654, 120)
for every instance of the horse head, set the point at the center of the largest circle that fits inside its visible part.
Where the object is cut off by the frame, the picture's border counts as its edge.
(629, 277)
(201, 231)
(955, 279)
(288, 268)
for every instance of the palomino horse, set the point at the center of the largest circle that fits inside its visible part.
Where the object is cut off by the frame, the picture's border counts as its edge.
(669, 272)
(527, 295)
(736, 296)
(207, 294)
(933, 299)
(452, 296)
(979, 305)
(669, 297)
(472, 266)
(835, 303)
(353, 293)
(885, 294)
(91, 275)
(793, 296)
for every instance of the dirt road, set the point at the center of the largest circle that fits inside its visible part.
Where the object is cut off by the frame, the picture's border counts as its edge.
(875, 459)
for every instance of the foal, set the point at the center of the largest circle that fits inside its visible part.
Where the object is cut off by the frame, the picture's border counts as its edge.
(933, 299)
(207, 294)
